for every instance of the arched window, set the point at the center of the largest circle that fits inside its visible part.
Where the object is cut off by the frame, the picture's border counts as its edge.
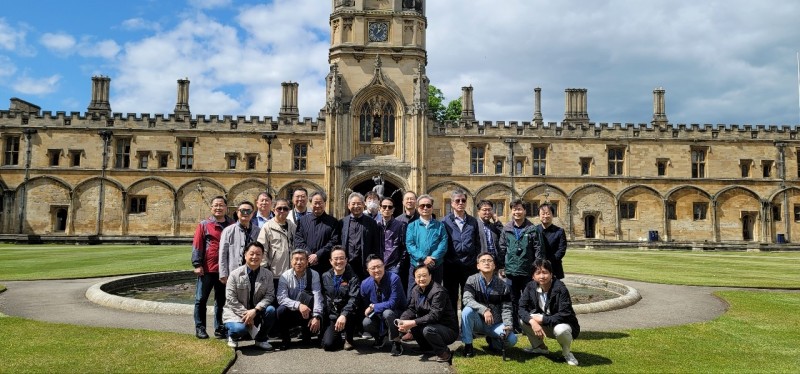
(376, 121)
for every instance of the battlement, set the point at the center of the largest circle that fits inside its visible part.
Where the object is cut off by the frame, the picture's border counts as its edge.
(614, 130)
(161, 122)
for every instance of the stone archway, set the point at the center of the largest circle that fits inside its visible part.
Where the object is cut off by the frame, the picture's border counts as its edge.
(390, 189)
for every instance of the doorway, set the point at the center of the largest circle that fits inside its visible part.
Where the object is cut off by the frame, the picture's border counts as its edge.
(589, 226)
(60, 223)
(390, 190)
(748, 222)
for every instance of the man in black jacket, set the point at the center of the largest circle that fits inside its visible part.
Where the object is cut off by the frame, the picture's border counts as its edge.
(317, 233)
(341, 287)
(361, 236)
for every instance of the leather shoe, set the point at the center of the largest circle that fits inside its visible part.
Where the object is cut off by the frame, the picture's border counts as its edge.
(200, 333)
(348, 345)
(446, 356)
(220, 333)
(469, 351)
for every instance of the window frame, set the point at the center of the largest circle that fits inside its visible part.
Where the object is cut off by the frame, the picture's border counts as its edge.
(54, 157)
(699, 215)
(539, 159)
(11, 147)
(186, 160)
(137, 204)
(627, 210)
(122, 158)
(477, 158)
(616, 164)
(300, 162)
(699, 170)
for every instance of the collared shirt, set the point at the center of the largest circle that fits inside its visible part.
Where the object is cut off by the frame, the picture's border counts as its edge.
(489, 239)
(460, 221)
(260, 220)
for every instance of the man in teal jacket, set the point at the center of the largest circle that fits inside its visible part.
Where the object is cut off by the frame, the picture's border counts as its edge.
(520, 245)
(426, 241)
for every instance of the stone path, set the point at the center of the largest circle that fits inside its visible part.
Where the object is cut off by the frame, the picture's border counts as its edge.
(64, 301)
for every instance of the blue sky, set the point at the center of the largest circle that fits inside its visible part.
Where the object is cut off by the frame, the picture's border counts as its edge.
(719, 61)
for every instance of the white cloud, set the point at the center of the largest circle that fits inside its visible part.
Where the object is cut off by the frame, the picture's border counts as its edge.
(36, 86)
(7, 67)
(107, 49)
(60, 43)
(12, 38)
(209, 4)
(140, 24)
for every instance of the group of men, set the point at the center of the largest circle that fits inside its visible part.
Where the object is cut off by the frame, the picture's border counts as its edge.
(294, 266)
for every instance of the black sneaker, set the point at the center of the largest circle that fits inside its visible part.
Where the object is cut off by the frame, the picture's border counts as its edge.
(397, 349)
(221, 333)
(378, 343)
(200, 333)
(469, 351)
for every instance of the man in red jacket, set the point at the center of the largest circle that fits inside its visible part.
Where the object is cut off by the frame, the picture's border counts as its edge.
(205, 260)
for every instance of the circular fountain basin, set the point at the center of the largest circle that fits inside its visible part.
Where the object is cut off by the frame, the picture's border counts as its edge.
(173, 293)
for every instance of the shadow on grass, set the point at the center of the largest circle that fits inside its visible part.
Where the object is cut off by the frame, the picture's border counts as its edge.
(601, 335)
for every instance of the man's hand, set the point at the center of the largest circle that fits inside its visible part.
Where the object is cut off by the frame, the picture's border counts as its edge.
(487, 317)
(312, 259)
(198, 271)
(304, 311)
(313, 325)
(429, 261)
(369, 310)
(340, 322)
(406, 325)
(249, 317)
(537, 330)
(501, 273)
(224, 280)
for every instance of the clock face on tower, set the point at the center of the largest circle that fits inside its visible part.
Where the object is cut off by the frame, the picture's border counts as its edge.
(378, 31)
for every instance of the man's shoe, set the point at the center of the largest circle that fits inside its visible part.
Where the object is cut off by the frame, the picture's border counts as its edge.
(469, 351)
(446, 356)
(232, 343)
(264, 345)
(540, 350)
(220, 333)
(490, 346)
(366, 335)
(378, 343)
(285, 345)
(407, 337)
(571, 360)
(200, 333)
(348, 345)
(397, 349)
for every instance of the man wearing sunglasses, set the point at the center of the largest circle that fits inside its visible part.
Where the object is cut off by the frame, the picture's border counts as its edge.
(426, 241)
(465, 240)
(393, 235)
(277, 236)
(234, 239)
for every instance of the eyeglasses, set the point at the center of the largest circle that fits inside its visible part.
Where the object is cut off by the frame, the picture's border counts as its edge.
(282, 208)
(459, 201)
(426, 206)
(387, 206)
(374, 268)
(486, 261)
(245, 211)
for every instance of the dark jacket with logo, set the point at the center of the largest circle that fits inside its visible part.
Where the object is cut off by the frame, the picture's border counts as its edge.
(345, 300)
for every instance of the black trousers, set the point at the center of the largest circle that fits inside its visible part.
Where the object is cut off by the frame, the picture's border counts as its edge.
(287, 319)
(455, 277)
(332, 339)
(518, 283)
(434, 337)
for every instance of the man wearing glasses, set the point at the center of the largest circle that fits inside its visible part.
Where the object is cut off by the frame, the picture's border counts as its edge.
(426, 241)
(317, 233)
(360, 234)
(277, 236)
(383, 293)
(393, 235)
(300, 202)
(487, 308)
(465, 241)
(235, 238)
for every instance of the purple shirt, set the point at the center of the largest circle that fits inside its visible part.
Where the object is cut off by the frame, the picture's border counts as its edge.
(393, 237)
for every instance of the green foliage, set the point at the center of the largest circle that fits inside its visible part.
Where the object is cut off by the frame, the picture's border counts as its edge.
(732, 269)
(436, 103)
(758, 334)
(41, 347)
(453, 112)
(28, 262)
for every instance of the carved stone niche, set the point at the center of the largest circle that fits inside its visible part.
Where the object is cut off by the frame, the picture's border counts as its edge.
(376, 149)
(341, 3)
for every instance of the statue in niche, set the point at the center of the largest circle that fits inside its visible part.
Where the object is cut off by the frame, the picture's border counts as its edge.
(413, 5)
(376, 126)
(379, 188)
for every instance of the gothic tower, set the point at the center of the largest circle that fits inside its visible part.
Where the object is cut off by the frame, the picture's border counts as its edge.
(377, 94)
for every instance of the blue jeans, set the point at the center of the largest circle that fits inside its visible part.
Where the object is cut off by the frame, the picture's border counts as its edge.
(206, 283)
(472, 322)
(238, 330)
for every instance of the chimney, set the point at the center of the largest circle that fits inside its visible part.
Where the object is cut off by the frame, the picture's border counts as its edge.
(575, 103)
(100, 89)
(467, 106)
(537, 107)
(659, 107)
(182, 106)
(289, 101)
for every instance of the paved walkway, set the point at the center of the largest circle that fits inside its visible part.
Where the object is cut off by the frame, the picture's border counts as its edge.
(64, 301)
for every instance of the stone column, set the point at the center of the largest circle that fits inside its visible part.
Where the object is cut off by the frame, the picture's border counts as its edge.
(289, 108)
(537, 107)
(467, 107)
(659, 107)
(100, 92)
(182, 105)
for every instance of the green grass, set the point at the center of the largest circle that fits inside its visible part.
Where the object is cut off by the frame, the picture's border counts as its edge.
(29, 262)
(733, 269)
(759, 334)
(2, 288)
(40, 347)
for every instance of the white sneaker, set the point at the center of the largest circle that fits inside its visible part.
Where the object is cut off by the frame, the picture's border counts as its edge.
(536, 351)
(264, 345)
(571, 360)
(232, 343)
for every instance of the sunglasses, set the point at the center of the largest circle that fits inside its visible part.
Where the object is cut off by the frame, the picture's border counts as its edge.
(282, 208)
(245, 211)
(387, 206)
(459, 201)
(426, 206)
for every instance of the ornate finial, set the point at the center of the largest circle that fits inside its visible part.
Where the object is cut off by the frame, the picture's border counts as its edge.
(378, 63)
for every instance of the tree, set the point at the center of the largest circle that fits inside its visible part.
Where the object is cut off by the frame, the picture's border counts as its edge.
(437, 109)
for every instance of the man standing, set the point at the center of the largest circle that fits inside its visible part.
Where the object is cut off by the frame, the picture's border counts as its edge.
(264, 206)
(248, 300)
(235, 238)
(372, 202)
(205, 260)
(554, 245)
(464, 241)
(492, 228)
(520, 245)
(360, 234)
(487, 308)
(409, 208)
(426, 241)
(277, 236)
(393, 234)
(299, 201)
(300, 301)
(317, 233)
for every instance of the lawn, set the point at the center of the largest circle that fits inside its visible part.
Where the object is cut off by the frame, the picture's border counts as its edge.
(28, 262)
(759, 334)
(733, 269)
(41, 347)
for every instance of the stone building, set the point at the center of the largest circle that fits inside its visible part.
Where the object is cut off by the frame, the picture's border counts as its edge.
(112, 175)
